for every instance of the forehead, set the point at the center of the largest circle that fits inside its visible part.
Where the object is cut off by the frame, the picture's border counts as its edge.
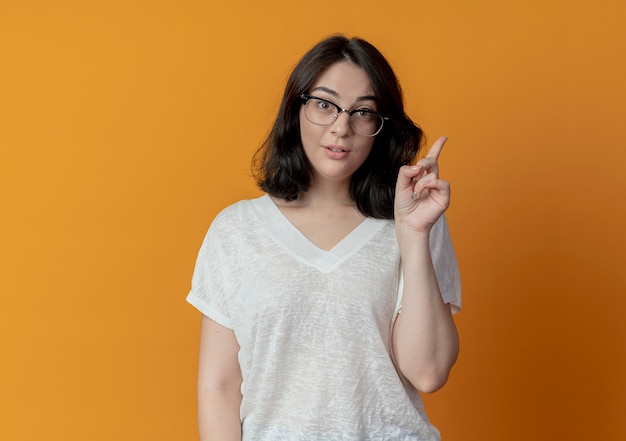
(344, 80)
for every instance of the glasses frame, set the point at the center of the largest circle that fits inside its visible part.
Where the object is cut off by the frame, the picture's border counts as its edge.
(305, 99)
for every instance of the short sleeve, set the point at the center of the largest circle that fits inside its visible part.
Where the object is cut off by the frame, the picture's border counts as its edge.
(214, 274)
(445, 264)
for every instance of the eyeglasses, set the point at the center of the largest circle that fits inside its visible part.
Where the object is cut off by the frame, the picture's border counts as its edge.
(322, 112)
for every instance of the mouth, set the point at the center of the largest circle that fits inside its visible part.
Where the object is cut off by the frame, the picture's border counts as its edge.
(336, 149)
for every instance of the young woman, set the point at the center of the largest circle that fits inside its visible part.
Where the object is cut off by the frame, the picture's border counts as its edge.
(327, 303)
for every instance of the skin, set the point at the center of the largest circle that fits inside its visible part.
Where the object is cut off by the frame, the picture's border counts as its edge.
(424, 340)
(219, 384)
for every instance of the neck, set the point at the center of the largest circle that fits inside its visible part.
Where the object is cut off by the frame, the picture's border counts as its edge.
(328, 193)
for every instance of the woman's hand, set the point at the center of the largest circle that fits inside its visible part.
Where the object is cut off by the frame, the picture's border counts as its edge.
(421, 197)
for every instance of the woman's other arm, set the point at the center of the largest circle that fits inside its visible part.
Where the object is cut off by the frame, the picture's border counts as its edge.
(219, 384)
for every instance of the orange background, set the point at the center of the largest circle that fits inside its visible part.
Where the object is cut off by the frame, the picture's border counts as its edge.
(125, 126)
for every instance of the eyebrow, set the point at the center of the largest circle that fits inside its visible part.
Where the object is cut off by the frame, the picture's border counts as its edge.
(336, 95)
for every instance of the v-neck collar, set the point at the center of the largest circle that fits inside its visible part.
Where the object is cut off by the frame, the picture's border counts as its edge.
(292, 239)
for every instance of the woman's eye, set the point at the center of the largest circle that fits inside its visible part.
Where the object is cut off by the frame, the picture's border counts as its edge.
(364, 114)
(323, 105)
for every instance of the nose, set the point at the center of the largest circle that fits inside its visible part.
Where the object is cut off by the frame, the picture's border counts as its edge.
(341, 126)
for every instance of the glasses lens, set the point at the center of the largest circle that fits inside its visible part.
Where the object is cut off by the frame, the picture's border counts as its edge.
(366, 123)
(320, 112)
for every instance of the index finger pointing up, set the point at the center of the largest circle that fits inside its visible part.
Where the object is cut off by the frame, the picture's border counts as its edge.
(435, 150)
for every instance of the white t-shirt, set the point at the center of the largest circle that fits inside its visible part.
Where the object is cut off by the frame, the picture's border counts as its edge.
(314, 326)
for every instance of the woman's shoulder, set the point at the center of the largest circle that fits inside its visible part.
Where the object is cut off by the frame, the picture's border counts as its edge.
(233, 215)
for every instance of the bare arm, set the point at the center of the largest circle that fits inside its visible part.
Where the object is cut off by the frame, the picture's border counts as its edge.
(425, 341)
(219, 384)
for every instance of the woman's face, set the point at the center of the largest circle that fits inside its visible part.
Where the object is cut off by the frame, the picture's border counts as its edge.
(335, 151)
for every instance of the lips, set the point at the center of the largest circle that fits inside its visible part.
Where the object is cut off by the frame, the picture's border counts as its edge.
(336, 151)
(336, 148)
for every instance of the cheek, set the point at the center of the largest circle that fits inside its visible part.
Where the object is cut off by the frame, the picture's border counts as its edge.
(309, 132)
(366, 147)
